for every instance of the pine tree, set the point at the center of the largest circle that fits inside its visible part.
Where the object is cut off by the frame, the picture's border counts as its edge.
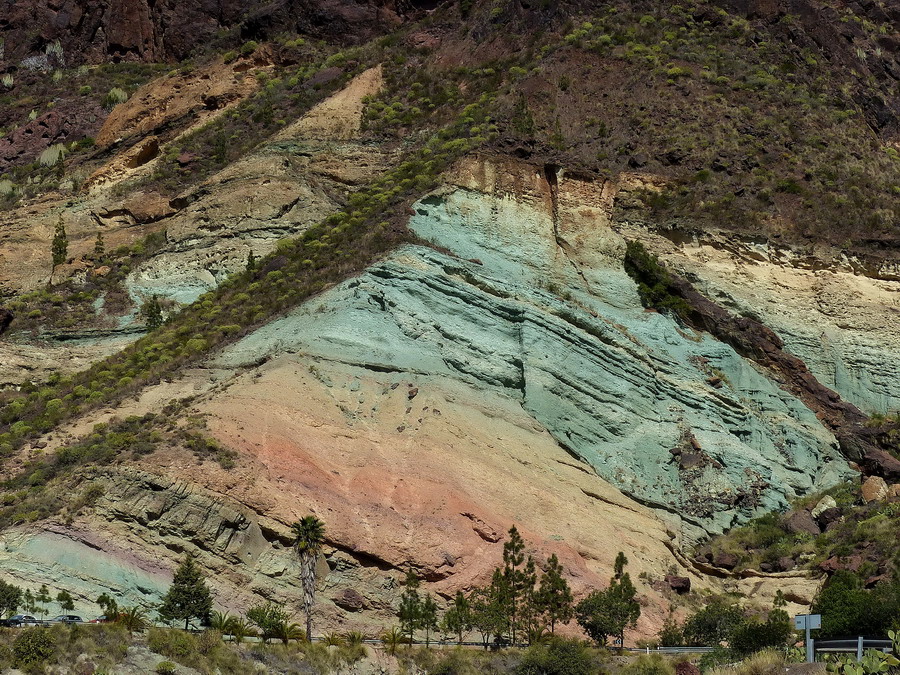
(109, 605)
(619, 564)
(42, 599)
(188, 597)
(151, 310)
(28, 604)
(428, 617)
(99, 247)
(458, 618)
(59, 247)
(518, 582)
(608, 613)
(554, 598)
(309, 535)
(488, 609)
(65, 600)
(410, 612)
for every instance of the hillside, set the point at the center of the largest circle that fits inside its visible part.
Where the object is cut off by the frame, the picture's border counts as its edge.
(611, 272)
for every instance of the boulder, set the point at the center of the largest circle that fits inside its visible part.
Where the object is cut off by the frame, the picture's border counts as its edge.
(833, 564)
(892, 493)
(350, 599)
(726, 561)
(824, 504)
(874, 489)
(801, 522)
(828, 516)
(686, 668)
(786, 564)
(680, 585)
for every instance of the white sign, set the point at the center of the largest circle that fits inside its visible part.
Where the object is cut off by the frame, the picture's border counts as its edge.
(808, 621)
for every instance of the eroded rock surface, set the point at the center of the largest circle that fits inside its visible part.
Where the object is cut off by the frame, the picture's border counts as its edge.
(538, 307)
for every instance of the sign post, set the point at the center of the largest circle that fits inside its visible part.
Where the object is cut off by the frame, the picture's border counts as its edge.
(808, 622)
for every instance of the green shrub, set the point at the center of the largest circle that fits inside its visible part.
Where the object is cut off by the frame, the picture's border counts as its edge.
(34, 645)
(652, 664)
(166, 668)
(561, 657)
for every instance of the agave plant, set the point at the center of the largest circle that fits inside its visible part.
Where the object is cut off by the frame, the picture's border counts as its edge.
(7, 187)
(7, 80)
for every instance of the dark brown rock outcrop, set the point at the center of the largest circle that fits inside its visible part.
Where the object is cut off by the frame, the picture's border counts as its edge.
(97, 31)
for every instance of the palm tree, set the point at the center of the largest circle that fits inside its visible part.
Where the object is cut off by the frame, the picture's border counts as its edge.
(309, 535)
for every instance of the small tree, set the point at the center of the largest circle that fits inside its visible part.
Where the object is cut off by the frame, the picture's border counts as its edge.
(10, 598)
(109, 606)
(59, 247)
(518, 581)
(554, 598)
(309, 535)
(28, 603)
(270, 618)
(65, 600)
(608, 613)
(99, 247)
(151, 310)
(428, 617)
(188, 597)
(42, 599)
(488, 613)
(410, 612)
(458, 618)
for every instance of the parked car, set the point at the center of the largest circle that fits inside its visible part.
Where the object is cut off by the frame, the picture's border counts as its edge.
(103, 619)
(19, 620)
(67, 618)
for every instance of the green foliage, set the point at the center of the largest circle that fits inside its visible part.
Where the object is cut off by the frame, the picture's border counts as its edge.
(65, 600)
(410, 609)
(33, 645)
(10, 598)
(309, 536)
(653, 664)
(108, 604)
(713, 623)
(151, 310)
(52, 155)
(559, 657)
(270, 618)
(608, 613)
(166, 668)
(59, 246)
(654, 285)
(114, 97)
(458, 618)
(188, 597)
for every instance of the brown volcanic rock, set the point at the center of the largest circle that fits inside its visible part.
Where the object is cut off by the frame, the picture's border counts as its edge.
(97, 31)
(26, 143)
(801, 522)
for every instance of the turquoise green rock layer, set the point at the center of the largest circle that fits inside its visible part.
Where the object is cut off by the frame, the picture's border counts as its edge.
(672, 417)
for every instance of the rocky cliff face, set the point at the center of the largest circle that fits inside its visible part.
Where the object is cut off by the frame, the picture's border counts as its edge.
(97, 31)
(497, 369)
